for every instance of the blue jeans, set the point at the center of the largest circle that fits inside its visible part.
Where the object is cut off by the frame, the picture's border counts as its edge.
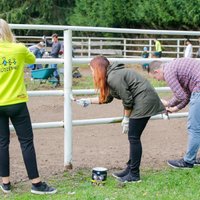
(55, 73)
(193, 128)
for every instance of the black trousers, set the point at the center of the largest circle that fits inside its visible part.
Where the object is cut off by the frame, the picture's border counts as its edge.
(20, 118)
(136, 127)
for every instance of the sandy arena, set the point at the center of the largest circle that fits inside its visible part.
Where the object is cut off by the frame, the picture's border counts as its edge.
(95, 145)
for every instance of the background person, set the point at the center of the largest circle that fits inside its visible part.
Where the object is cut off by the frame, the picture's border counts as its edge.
(13, 98)
(140, 102)
(55, 52)
(183, 75)
(188, 50)
(38, 50)
(145, 54)
(158, 49)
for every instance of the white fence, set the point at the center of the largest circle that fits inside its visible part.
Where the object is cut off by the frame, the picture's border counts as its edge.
(67, 123)
(129, 47)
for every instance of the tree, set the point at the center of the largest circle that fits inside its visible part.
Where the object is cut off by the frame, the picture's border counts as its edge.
(36, 12)
(146, 14)
(151, 14)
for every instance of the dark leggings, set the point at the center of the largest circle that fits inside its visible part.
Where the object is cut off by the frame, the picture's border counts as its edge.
(136, 127)
(19, 116)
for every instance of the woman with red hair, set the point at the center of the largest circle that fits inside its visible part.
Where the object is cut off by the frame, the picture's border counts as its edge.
(140, 102)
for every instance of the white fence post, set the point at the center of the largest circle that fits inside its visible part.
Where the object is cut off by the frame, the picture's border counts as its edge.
(124, 47)
(150, 48)
(67, 99)
(178, 49)
(89, 47)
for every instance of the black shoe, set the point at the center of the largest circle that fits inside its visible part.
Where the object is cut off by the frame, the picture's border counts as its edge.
(6, 188)
(130, 178)
(197, 162)
(122, 173)
(43, 189)
(179, 164)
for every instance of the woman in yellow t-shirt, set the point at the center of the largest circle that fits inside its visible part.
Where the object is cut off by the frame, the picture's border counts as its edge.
(13, 98)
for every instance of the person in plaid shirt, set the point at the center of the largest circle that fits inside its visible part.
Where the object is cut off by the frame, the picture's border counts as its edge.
(183, 77)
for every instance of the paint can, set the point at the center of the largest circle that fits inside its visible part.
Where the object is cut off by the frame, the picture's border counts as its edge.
(99, 175)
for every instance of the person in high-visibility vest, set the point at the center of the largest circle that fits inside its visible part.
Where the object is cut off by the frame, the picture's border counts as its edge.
(158, 49)
(13, 98)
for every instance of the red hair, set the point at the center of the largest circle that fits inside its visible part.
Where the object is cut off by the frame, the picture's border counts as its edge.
(99, 65)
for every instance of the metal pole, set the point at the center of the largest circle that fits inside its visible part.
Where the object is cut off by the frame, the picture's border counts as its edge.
(89, 47)
(44, 125)
(67, 99)
(123, 60)
(178, 48)
(119, 119)
(124, 47)
(103, 29)
(150, 48)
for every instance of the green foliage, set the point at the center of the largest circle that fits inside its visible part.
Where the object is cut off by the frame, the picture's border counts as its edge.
(40, 12)
(146, 14)
(157, 14)
(36, 12)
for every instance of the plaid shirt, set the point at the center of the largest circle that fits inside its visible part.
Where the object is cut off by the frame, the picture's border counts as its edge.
(183, 77)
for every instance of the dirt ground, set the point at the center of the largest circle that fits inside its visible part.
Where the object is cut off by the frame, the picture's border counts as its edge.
(95, 145)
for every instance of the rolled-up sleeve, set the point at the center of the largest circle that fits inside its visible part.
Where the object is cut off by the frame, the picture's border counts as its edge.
(181, 96)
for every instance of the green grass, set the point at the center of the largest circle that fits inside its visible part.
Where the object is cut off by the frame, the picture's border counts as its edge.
(156, 83)
(166, 184)
(85, 82)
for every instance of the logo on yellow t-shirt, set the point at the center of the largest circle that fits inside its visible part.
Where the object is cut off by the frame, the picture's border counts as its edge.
(7, 64)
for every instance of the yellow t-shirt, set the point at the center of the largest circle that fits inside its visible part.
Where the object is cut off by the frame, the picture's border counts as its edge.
(13, 57)
(158, 46)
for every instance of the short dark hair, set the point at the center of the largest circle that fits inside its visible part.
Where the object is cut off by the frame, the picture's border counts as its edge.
(55, 35)
(188, 40)
(153, 66)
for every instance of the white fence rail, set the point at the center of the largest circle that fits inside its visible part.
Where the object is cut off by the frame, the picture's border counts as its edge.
(68, 123)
